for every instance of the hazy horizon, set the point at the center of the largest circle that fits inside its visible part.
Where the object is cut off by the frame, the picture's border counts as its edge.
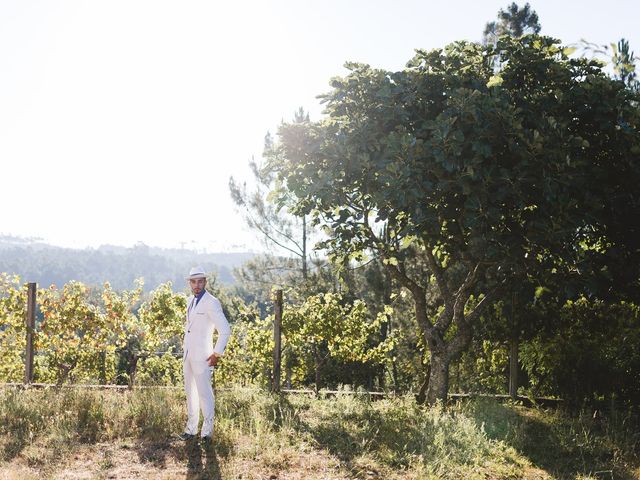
(6, 239)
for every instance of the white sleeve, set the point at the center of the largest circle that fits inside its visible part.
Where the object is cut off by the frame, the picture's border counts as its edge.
(222, 327)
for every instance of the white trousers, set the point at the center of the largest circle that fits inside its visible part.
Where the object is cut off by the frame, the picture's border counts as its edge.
(197, 386)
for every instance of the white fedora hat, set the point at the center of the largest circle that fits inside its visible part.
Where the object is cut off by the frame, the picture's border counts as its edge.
(196, 272)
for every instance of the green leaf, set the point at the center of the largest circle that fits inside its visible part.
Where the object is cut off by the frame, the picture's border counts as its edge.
(540, 291)
(495, 81)
(407, 241)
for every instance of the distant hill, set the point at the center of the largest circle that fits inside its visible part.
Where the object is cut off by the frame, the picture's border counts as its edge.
(46, 264)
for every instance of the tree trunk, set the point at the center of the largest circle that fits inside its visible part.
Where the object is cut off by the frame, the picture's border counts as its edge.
(453, 316)
(394, 374)
(384, 329)
(103, 367)
(133, 368)
(513, 368)
(319, 363)
(438, 379)
(287, 377)
(304, 247)
(317, 378)
(63, 372)
(422, 395)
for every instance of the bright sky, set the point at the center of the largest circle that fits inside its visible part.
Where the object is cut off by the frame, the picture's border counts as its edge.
(121, 121)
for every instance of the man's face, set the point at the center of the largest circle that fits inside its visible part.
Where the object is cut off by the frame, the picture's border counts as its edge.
(197, 285)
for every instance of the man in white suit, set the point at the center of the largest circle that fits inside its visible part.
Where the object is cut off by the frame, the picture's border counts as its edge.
(204, 315)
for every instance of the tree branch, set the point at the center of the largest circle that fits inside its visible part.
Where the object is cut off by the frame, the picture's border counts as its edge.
(275, 229)
(488, 298)
(459, 301)
(439, 275)
(266, 234)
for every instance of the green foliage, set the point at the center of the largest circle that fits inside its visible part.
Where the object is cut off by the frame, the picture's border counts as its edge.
(74, 333)
(584, 350)
(324, 327)
(162, 319)
(165, 369)
(154, 329)
(590, 356)
(13, 303)
(323, 320)
(482, 369)
(249, 355)
(320, 330)
(82, 334)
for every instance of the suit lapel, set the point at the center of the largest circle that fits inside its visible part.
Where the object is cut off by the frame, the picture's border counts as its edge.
(198, 308)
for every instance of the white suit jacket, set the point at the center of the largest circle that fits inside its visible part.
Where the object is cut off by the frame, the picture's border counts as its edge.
(202, 320)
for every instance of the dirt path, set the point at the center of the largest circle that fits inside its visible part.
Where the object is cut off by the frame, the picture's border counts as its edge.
(173, 460)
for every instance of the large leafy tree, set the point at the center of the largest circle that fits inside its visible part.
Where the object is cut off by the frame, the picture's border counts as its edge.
(467, 179)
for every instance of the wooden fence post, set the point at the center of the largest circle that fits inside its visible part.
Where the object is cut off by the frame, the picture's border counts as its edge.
(31, 326)
(277, 351)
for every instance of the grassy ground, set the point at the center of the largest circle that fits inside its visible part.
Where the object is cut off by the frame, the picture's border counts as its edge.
(103, 434)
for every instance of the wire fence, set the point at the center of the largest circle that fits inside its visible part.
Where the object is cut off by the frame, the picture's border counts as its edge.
(275, 386)
(524, 401)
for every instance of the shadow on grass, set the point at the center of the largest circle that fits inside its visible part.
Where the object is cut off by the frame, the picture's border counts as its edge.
(201, 458)
(337, 441)
(564, 446)
(348, 436)
(202, 461)
(154, 453)
(281, 413)
(13, 446)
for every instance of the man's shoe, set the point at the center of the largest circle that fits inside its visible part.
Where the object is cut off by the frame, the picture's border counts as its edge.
(186, 436)
(206, 439)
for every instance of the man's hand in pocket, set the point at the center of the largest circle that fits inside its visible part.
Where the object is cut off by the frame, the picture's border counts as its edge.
(213, 359)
